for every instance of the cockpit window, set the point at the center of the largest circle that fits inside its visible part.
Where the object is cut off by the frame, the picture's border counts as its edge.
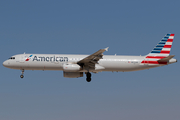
(12, 58)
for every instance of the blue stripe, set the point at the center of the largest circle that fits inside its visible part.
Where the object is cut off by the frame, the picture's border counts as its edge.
(155, 51)
(168, 34)
(158, 48)
(164, 40)
(166, 37)
(162, 43)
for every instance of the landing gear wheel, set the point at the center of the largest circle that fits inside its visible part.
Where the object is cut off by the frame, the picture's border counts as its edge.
(88, 75)
(21, 76)
(22, 71)
(88, 79)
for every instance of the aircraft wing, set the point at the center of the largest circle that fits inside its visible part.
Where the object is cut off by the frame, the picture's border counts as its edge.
(92, 59)
(166, 59)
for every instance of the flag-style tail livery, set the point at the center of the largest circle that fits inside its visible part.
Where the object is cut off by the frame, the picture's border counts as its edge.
(160, 53)
(74, 66)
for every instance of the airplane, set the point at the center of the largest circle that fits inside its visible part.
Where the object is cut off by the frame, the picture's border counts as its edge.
(74, 66)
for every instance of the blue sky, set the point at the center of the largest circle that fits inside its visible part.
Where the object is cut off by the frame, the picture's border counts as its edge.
(83, 27)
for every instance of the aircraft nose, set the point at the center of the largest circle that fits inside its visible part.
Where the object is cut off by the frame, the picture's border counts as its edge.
(5, 63)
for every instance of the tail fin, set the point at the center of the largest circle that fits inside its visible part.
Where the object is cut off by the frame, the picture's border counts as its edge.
(163, 48)
(160, 54)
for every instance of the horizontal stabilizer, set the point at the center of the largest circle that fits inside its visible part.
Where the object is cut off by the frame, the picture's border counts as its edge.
(166, 59)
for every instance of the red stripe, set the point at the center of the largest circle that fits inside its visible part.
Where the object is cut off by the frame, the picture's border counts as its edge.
(172, 35)
(165, 52)
(153, 62)
(27, 59)
(170, 40)
(167, 46)
(156, 57)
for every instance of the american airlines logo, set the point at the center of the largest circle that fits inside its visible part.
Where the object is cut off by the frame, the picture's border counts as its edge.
(27, 59)
(48, 59)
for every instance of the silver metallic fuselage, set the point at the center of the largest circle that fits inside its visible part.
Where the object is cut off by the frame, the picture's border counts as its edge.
(56, 61)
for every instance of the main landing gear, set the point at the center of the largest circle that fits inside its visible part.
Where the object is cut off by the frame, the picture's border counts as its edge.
(88, 77)
(22, 76)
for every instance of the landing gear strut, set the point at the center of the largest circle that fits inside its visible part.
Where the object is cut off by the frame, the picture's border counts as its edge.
(88, 77)
(22, 76)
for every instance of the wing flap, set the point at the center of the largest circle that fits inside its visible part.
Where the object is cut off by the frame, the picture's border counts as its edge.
(92, 59)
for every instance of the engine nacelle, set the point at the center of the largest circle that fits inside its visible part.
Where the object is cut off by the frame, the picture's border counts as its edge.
(71, 67)
(73, 74)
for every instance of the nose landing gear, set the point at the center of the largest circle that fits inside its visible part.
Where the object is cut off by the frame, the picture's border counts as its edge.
(88, 77)
(22, 76)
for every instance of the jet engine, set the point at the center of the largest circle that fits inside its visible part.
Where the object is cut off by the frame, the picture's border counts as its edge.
(73, 74)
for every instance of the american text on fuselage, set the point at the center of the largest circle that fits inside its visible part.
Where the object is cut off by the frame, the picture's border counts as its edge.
(54, 58)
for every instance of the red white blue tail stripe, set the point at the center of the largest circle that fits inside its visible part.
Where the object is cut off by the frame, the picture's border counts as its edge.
(161, 50)
(164, 46)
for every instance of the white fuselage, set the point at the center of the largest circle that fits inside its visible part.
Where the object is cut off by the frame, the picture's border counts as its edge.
(56, 62)
(73, 66)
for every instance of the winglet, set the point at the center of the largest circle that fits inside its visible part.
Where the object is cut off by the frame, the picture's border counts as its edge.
(106, 49)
